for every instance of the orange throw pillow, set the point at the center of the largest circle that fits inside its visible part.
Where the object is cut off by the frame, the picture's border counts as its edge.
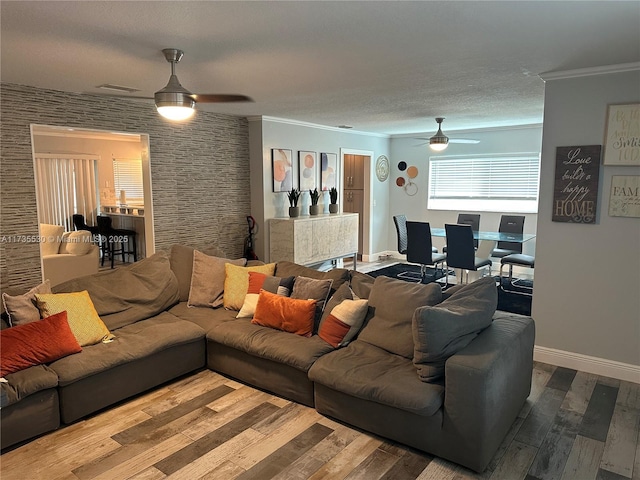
(285, 313)
(37, 342)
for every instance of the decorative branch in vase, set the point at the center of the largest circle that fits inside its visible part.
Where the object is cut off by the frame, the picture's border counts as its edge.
(333, 195)
(314, 208)
(294, 196)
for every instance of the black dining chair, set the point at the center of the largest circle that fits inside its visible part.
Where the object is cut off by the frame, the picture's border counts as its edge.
(520, 260)
(461, 252)
(509, 224)
(419, 250)
(472, 219)
(400, 222)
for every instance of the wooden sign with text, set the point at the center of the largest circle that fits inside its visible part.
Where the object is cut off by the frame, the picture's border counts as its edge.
(575, 193)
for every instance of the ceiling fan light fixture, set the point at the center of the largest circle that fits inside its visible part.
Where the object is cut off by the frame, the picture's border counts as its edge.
(439, 141)
(175, 105)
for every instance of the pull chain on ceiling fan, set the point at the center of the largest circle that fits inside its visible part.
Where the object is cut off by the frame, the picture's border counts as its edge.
(176, 102)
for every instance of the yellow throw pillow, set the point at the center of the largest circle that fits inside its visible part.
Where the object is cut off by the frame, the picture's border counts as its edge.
(83, 319)
(236, 283)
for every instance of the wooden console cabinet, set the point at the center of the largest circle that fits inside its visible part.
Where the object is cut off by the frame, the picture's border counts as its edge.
(313, 239)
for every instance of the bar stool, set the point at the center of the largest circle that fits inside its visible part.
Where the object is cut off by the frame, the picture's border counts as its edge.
(116, 237)
(520, 260)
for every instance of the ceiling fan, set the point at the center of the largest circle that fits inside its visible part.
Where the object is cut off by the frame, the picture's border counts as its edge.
(440, 141)
(176, 102)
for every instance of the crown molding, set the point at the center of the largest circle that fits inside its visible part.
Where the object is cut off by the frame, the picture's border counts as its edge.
(587, 72)
(298, 123)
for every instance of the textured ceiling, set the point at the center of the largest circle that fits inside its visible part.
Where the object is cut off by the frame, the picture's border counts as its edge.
(384, 67)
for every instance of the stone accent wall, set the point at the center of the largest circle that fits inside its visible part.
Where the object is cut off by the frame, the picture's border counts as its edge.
(199, 172)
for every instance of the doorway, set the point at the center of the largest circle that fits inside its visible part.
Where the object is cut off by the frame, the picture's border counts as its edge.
(356, 193)
(106, 148)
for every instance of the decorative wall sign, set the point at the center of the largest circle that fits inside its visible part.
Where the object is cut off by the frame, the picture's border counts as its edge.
(624, 199)
(308, 170)
(575, 193)
(622, 137)
(283, 179)
(328, 171)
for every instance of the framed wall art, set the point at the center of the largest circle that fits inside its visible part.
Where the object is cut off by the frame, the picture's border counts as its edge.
(308, 168)
(622, 135)
(575, 192)
(624, 199)
(328, 171)
(283, 178)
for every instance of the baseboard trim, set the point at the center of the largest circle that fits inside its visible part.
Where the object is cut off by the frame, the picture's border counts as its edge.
(586, 363)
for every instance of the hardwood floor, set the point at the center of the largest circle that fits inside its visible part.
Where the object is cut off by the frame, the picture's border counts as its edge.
(574, 426)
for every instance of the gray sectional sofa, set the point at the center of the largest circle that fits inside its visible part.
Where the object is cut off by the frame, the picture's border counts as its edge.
(372, 383)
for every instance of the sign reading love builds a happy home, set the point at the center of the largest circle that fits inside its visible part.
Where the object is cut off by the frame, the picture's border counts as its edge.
(575, 193)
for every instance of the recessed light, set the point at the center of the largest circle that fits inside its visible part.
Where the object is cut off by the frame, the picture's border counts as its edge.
(118, 88)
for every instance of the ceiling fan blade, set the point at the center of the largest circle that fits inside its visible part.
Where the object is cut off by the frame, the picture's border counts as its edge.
(117, 95)
(463, 140)
(219, 98)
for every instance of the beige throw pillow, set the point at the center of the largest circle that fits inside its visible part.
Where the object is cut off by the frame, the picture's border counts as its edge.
(207, 279)
(76, 243)
(51, 236)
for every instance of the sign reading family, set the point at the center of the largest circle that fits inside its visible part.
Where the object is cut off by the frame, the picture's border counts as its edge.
(622, 140)
(575, 193)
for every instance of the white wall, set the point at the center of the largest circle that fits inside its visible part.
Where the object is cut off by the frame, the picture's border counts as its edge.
(494, 141)
(587, 296)
(266, 133)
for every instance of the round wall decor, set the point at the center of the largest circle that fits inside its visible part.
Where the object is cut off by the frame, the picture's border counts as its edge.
(382, 168)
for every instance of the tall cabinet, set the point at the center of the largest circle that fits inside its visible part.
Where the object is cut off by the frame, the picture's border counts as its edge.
(353, 196)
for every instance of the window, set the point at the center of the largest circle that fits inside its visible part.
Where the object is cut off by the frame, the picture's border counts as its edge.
(491, 183)
(127, 176)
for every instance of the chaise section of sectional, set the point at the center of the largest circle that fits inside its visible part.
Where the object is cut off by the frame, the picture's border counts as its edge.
(143, 355)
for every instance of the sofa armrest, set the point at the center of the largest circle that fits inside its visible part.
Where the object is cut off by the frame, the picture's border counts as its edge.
(64, 266)
(487, 383)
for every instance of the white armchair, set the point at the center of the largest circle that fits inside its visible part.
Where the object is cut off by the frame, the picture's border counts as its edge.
(67, 255)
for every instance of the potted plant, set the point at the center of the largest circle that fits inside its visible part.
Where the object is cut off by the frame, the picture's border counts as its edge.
(294, 209)
(314, 208)
(333, 195)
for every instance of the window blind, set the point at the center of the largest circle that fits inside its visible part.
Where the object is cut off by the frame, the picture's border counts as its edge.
(127, 176)
(505, 177)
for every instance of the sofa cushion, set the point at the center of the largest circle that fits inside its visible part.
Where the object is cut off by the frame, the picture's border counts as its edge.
(207, 279)
(76, 243)
(236, 283)
(361, 283)
(181, 260)
(365, 371)
(20, 385)
(393, 303)
(23, 309)
(83, 319)
(35, 343)
(132, 342)
(129, 294)
(259, 281)
(442, 330)
(338, 275)
(283, 347)
(51, 236)
(205, 318)
(283, 313)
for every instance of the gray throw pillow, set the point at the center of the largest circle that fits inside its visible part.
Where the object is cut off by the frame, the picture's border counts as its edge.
(207, 279)
(442, 330)
(22, 309)
(305, 288)
(393, 302)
